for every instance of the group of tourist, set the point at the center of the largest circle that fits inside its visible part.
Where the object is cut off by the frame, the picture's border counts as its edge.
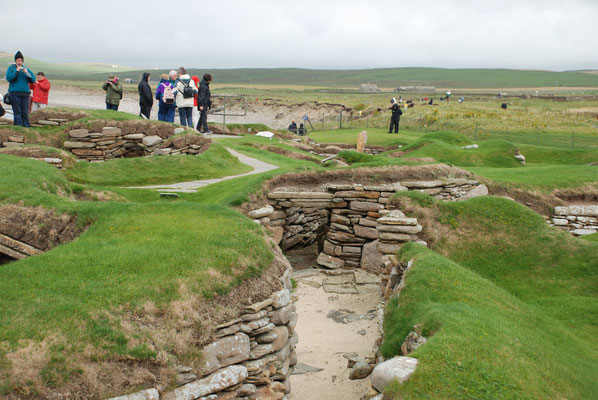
(27, 92)
(176, 90)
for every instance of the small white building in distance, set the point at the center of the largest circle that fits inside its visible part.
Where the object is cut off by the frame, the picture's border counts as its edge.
(368, 87)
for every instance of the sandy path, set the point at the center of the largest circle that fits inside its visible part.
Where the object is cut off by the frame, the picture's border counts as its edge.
(191, 187)
(323, 339)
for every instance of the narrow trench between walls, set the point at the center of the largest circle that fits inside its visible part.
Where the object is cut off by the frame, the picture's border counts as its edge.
(341, 241)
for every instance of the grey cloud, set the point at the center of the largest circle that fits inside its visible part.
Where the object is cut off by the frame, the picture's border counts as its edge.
(312, 34)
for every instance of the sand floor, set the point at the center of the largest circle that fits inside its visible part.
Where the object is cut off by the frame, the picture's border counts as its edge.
(330, 325)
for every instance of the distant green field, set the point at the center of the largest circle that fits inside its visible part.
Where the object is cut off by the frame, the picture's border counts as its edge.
(383, 77)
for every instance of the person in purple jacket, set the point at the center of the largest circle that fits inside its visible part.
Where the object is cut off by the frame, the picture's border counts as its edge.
(165, 96)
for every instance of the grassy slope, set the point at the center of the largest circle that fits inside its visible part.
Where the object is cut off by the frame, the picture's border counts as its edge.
(129, 257)
(512, 309)
(214, 163)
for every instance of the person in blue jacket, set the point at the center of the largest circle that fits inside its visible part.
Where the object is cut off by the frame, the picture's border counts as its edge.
(19, 77)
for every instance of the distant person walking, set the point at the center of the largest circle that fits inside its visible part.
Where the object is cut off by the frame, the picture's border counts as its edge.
(165, 97)
(395, 117)
(41, 90)
(19, 77)
(185, 92)
(146, 100)
(114, 92)
(204, 102)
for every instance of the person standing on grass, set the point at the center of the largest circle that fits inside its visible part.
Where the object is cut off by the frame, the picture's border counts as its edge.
(395, 117)
(41, 90)
(165, 97)
(114, 92)
(146, 100)
(19, 77)
(204, 102)
(195, 79)
(185, 92)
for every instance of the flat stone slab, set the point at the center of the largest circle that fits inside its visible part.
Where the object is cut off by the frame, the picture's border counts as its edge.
(148, 394)
(584, 211)
(305, 369)
(153, 140)
(340, 289)
(79, 145)
(79, 133)
(397, 368)
(423, 184)
(301, 195)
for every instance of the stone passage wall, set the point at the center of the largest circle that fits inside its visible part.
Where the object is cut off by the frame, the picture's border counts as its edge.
(130, 139)
(251, 357)
(7, 140)
(579, 220)
(352, 219)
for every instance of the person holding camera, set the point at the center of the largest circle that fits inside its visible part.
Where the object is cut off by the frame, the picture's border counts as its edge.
(114, 92)
(19, 77)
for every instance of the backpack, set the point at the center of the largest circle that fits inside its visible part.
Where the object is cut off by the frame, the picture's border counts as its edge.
(187, 90)
(168, 95)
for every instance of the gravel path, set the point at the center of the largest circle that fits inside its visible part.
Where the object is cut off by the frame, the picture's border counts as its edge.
(191, 187)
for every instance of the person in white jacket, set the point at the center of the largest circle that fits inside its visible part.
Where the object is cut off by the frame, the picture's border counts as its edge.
(185, 92)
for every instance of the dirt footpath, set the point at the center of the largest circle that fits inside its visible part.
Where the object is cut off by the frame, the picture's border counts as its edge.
(276, 114)
(338, 315)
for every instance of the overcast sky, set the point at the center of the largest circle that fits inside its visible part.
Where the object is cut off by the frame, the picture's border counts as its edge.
(529, 34)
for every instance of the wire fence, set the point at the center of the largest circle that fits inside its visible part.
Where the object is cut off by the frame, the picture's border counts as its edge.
(475, 130)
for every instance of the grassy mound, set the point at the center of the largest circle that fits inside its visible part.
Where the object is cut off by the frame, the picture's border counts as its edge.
(128, 290)
(510, 306)
(214, 163)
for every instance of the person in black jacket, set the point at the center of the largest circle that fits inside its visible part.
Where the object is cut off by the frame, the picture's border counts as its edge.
(146, 100)
(204, 103)
(293, 127)
(396, 116)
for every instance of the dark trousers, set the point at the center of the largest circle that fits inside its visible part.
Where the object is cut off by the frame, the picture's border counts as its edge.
(112, 107)
(202, 125)
(146, 110)
(20, 108)
(186, 114)
(394, 122)
(165, 112)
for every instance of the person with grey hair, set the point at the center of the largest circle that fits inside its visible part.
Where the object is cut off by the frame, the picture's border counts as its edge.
(185, 93)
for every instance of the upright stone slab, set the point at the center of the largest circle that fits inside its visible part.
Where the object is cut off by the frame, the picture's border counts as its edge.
(362, 140)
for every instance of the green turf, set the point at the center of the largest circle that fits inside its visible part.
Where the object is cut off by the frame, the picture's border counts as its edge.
(510, 311)
(214, 163)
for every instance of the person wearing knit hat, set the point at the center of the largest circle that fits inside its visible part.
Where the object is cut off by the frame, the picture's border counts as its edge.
(19, 77)
(114, 92)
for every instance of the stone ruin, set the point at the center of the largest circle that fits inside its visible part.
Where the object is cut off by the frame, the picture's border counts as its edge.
(580, 220)
(104, 140)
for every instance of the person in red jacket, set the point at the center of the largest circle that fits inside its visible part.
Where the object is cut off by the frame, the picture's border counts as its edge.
(41, 89)
(195, 110)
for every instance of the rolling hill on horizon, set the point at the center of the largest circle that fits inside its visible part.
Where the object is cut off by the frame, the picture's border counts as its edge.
(383, 77)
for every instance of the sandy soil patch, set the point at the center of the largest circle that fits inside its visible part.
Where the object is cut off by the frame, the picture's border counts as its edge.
(330, 325)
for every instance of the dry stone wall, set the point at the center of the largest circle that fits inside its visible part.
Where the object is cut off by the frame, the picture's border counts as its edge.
(580, 220)
(352, 219)
(11, 140)
(251, 357)
(99, 141)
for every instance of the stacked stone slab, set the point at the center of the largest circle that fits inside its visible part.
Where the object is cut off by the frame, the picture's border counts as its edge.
(108, 142)
(353, 222)
(251, 357)
(12, 140)
(304, 216)
(449, 189)
(347, 214)
(580, 220)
